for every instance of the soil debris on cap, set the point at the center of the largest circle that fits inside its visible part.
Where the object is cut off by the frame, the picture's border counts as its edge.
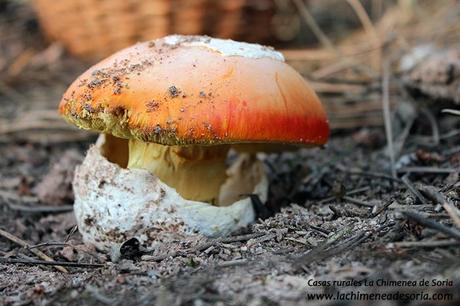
(174, 91)
(152, 106)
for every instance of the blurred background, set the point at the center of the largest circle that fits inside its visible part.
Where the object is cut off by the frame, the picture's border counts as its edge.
(341, 46)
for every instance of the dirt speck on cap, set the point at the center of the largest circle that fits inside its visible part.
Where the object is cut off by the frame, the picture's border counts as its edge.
(152, 106)
(117, 90)
(174, 91)
(95, 83)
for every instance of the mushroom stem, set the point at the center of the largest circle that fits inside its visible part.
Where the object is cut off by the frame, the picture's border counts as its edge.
(196, 172)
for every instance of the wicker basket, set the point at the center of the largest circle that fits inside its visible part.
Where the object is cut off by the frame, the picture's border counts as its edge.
(93, 29)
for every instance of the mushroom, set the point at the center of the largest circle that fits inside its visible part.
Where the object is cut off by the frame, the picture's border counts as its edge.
(169, 112)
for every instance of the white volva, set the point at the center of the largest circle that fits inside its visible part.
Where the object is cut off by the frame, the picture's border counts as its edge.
(113, 204)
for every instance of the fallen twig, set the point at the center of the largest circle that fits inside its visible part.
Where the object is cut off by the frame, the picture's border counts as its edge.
(357, 201)
(424, 244)
(378, 210)
(387, 115)
(240, 238)
(412, 189)
(50, 263)
(72, 231)
(322, 231)
(298, 241)
(47, 244)
(432, 224)
(439, 198)
(232, 263)
(434, 170)
(38, 253)
(8, 195)
(33, 207)
(451, 111)
(41, 208)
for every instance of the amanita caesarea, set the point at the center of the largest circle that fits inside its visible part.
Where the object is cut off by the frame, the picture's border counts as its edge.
(169, 112)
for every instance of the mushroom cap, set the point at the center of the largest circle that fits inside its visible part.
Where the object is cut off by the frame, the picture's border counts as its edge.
(182, 90)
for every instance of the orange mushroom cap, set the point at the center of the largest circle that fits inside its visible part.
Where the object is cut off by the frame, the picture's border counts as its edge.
(183, 90)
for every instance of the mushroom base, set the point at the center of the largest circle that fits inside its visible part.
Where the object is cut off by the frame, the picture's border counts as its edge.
(114, 204)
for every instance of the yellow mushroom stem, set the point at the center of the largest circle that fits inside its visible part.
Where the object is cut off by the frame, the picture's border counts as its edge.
(196, 172)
